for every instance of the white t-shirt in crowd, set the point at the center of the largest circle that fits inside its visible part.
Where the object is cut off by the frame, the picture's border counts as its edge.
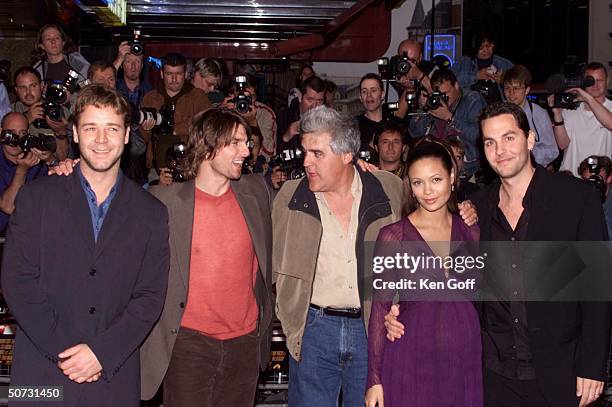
(587, 137)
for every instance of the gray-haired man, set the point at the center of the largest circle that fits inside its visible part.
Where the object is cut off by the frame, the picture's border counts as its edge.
(319, 276)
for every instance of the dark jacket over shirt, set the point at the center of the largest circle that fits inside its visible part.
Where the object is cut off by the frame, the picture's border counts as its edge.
(64, 288)
(567, 339)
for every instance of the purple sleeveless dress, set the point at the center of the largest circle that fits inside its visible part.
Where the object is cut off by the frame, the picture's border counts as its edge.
(438, 361)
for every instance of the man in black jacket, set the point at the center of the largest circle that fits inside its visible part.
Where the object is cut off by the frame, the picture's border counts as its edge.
(288, 120)
(535, 353)
(85, 267)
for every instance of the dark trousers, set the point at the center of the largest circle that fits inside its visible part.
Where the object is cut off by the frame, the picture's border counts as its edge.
(207, 372)
(499, 391)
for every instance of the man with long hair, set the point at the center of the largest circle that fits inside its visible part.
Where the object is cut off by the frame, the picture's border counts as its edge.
(213, 335)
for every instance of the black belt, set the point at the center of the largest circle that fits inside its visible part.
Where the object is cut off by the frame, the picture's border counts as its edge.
(339, 312)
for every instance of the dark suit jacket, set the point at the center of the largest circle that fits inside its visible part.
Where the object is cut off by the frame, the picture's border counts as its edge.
(567, 339)
(255, 201)
(64, 288)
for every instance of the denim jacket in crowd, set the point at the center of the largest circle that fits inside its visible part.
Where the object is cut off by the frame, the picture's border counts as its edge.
(466, 69)
(464, 124)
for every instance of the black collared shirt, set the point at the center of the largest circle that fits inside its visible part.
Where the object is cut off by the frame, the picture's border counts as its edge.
(506, 346)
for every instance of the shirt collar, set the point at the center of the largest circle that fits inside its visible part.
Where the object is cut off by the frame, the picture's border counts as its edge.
(87, 187)
(356, 187)
(528, 199)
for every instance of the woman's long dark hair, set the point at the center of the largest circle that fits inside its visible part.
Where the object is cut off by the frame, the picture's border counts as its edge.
(429, 147)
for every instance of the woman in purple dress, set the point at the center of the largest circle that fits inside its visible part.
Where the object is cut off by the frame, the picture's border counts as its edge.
(437, 363)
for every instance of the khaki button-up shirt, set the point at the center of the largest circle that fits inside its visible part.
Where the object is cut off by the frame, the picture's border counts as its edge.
(335, 282)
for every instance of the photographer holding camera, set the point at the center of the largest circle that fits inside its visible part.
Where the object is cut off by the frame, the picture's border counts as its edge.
(243, 99)
(517, 85)
(131, 84)
(419, 72)
(208, 76)
(57, 55)
(312, 95)
(174, 93)
(598, 171)
(452, 112)
(586, 130)
(29, 89)
(16, 167)
(484, 71)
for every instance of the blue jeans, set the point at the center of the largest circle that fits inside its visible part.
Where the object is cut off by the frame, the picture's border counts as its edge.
(334, 357)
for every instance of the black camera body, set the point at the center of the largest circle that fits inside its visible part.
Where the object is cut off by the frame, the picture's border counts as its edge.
(53, 111)
(242, 101)
(55, 96)
(595, 179)
(394, 68)
(413, 95)
(164, 118)
(53, 100)
(435, 100)
(488, 89)
(175, 161)
(291, 163)
(566, 100)
(389, 109)
(136, 47)
(400, 65)
(571, 76)
(29, 141)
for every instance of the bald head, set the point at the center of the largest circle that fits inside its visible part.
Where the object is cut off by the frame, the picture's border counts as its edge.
(411, 48)
(16, 122)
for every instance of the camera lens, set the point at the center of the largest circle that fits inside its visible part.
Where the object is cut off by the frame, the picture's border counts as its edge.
(433, 102)
(242, 106)
(53, 112)
(403, 67)
(136, 48)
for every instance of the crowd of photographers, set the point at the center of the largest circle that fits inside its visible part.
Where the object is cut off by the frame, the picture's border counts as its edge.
(573, 125)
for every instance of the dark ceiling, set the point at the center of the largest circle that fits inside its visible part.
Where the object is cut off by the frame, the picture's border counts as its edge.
(328, 29)
(275, 28)
(235, 20)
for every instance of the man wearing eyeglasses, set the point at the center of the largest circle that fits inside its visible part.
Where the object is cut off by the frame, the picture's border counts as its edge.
(586, 130)
(16, 167)
(516, 84)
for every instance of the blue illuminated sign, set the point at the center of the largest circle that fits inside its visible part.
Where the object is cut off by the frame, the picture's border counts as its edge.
(444, 44)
